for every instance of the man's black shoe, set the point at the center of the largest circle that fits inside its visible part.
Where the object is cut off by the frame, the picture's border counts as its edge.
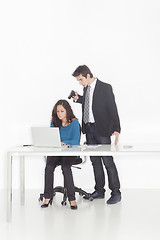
(114, 199)
(94, 195)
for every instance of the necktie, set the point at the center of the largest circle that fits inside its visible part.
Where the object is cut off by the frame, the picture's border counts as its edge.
(86, 105)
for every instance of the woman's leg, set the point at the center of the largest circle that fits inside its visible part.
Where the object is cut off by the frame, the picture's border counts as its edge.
(52, 162)
(66, 163)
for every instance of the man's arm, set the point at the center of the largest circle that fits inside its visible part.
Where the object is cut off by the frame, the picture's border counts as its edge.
(113, 110)
(114, 114)
(78, 98)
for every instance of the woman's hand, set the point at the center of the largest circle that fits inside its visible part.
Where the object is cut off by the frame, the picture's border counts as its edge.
(62, 143)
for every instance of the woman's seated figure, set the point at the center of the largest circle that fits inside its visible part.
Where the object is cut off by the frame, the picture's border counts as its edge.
(62, 117)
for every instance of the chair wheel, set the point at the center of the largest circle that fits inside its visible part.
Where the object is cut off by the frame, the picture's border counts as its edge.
(91, 199)
(63, 203)
(41, 197)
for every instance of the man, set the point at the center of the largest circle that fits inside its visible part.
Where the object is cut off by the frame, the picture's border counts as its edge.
(100, 120)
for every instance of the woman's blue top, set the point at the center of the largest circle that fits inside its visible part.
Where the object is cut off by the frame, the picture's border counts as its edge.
(71, 133)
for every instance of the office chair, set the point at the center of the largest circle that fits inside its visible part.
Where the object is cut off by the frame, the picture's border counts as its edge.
(63, 189)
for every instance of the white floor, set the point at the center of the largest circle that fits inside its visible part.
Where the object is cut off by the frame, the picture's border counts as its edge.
(136, 217)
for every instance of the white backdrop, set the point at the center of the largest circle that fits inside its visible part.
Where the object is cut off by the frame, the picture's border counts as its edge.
(41, 44)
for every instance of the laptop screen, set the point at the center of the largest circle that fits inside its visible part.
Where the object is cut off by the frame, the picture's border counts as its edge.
(46, 136)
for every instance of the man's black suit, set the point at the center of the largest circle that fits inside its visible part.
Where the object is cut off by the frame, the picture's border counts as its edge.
(104, 109)
(106, 122)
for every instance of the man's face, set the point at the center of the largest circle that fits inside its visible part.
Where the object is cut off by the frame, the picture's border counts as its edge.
(83, 80)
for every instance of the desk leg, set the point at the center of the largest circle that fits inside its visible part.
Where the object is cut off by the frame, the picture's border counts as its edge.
(22, 179)
(85, 158)
(9, 188)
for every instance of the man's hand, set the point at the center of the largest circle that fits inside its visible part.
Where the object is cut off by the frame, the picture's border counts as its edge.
(116, 137)
(76, 96)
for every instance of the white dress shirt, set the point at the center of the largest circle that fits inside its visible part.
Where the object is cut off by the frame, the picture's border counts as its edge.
(92, 85)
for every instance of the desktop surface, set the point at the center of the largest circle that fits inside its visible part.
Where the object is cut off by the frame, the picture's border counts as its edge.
(92, 150)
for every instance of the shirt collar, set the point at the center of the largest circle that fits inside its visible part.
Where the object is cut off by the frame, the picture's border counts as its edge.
(92, 85)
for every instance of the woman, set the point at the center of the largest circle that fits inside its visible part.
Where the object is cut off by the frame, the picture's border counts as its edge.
(62, 117)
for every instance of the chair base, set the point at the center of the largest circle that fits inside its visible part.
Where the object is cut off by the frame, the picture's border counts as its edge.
(63, 190)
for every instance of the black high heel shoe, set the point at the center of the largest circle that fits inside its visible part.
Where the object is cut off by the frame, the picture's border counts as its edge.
(73, 207)
(45, 205)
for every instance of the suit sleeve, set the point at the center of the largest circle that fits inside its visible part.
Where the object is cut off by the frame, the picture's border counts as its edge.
(80, 99)
(113, 110)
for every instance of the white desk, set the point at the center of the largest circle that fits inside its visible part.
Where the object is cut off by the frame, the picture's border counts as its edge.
(101, 150)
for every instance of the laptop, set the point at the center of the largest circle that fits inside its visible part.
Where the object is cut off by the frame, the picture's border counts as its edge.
(46, 137)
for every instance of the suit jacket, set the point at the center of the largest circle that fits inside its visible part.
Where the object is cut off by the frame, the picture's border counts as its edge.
(104, 109)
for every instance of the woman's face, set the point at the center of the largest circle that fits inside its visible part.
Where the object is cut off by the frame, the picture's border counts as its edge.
(61, 112)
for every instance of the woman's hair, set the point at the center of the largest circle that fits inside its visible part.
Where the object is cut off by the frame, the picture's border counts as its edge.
(69, 113)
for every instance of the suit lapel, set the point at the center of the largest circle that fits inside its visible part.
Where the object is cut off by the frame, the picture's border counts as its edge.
(95, 92)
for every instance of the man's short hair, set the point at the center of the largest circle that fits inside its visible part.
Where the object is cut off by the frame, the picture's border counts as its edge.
(84, 70)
